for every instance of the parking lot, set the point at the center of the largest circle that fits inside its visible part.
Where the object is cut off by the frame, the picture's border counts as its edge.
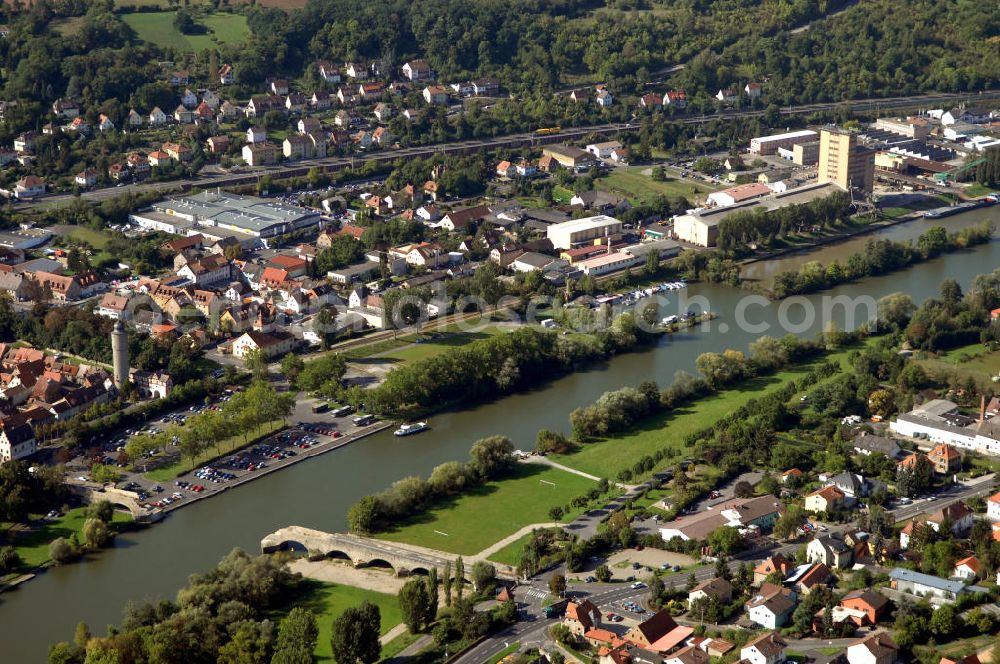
(313, 434)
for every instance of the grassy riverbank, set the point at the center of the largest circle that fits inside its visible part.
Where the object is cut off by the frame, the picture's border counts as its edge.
(670, 429)
(32, 543)
(482, 516)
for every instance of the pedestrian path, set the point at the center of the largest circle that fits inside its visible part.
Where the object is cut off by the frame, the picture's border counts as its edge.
(398, 630)
(510, 539)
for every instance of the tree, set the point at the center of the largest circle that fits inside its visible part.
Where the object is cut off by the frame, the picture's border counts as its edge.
(788, 523)
(656, 590)
(896, 309)
(483, 576)
(556, 514)
(256, 363)
(603, 573)
(944, 621)
(557, 584)
(95, 533)
(9, 559)
(291, 366)
(102, 509)
(493, 456)
(250, 643)
(414, 601)
(297, 635)
(61, 551)
(743, 489)
(446, 582)
(355, 635)
(364, 516)
(459, 578)
(880, 402)
(724, 540)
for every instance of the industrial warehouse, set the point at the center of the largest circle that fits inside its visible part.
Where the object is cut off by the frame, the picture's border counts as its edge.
(219, 215)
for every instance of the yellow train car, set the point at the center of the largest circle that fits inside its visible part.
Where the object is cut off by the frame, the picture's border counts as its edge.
(545, 131)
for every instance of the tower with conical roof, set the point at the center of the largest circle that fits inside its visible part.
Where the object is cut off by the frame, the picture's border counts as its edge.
(119, 354)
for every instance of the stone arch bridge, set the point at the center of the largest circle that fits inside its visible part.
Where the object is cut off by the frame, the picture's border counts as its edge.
(121, 499)
(361, 551)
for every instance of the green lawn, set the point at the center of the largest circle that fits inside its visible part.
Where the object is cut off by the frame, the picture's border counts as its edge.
(511, 554)
(975, 361)
(97, 239)
(475, 520)
(329, 600)
(427, 349)
(640, 188)
(33, 546)
(606, 458)
(228, 446)
(158, 28)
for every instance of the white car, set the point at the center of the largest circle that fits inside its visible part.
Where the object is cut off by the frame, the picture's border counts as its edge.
(637, 585)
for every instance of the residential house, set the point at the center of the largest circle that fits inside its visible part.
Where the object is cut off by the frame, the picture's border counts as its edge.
(226, 75)
(827, 499)
(768, 648)
(382, 137)
(218, 144)
(776, 564)
(993, 508)
(295, 102)
(29, 186)
(210, 269)
(603, 98)
(505, 169)
(924, 585)
(328, 72)
(210, 99)
(532, 261)
(579, 96)
(180, 77)
(78, 125)
(691, 654)
(176, 151)
(257, 154)
(867, 444)
(113, 306)
(279, 87)
(343, 119)
(485, 87)
(86, 178)
(228, 112)
(461, 220)
(676, 99)
(772, 606)
(756, 514)
(184, 115)
(296, 147)
(25, 142)
(600, 202)
(189, 99)
(712, 589)
(17, 440)
(309, 125)
(138, 163)
(134, 120)
(652, 101)
(261, 104)
(876, 648)
(753, 90)
(957, 514)
(369, 91)
(603, 150)
(807, 578)
(580, 617)
(792, 474)
(945, 459)
(830, 550)
(270, 344)
(383, 112)
(204, 114)
(435, 94)
(417, 70)
(104, 123)
(874, 605)
(256, 134)
(726, 95)
(66, 109)
(320, 101)
(968, 568)
(157, 117)
(658, 633)
(356, 70)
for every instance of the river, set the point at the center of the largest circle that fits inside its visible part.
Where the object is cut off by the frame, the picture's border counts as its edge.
(154, 562)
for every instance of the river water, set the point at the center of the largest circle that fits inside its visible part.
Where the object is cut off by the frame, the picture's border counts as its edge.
(154, 562)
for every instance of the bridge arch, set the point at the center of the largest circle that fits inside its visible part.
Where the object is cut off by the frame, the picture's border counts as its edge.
(337, 554)
(377, 563)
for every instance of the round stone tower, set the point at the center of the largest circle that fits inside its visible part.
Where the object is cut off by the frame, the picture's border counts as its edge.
(119, 352)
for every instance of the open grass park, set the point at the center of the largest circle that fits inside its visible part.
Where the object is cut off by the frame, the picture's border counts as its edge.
(425, 346)
(33, 544)
(158, 28)
(329, 600)
(485, 515)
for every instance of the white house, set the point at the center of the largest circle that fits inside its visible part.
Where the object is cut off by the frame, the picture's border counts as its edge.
(271, 345)
(16, 441)
(157, 117)
(967, 568)
(768, 648)
(876, 648)
(993, 508)
(256, 135)
(772, 607)
(603, 150)
(830, 551)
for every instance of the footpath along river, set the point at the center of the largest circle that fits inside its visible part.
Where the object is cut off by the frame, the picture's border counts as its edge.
(154, 562)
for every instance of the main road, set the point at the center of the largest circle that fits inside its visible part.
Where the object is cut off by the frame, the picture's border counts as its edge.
(332, 164)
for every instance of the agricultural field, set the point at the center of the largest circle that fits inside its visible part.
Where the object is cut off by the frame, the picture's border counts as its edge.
(473, 521)
(635, 184)
(158, 28)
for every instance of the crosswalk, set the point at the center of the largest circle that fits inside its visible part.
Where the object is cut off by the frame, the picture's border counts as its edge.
(537, 594)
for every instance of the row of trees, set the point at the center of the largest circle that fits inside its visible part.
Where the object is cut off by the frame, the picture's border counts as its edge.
(878, 257)
(760, 227)
(244, 414)
(490, 458)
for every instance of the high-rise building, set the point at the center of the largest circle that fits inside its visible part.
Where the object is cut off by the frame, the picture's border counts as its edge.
(119, 354)
(845, 162)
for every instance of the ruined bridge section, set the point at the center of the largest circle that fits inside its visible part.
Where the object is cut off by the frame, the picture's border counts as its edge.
(361, 551)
